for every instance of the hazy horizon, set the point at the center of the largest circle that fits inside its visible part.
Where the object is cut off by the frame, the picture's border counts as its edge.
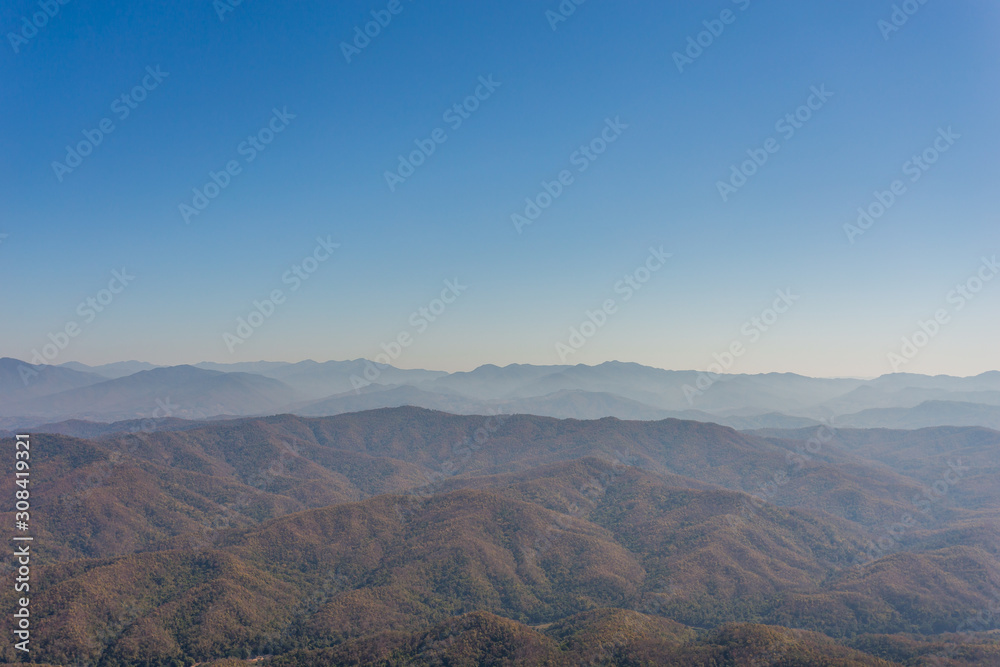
(472, 368)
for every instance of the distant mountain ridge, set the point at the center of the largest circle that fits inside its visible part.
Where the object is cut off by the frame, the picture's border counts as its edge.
(175, 391)
(321, 379)
(20, 381)
(113, 370)
(620, 389)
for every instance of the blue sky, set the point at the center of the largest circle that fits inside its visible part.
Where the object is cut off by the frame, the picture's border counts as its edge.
(656, 184)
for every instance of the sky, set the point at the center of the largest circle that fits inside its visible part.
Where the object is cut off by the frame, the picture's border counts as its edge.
(674, 184)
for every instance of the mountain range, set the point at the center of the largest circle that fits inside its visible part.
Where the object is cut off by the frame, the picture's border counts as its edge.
(407, 536)
(35, 395)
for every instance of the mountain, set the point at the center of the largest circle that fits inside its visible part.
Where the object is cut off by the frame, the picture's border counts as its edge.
(578, 404)
(632, 391)
(407, 536)
(113, 370)
(988, 381)
(179, 391)
(257, 367)
(870, 396)
(841, 479)
(81, 428)
(928, 413)
(20, 381)
(606, 636)
(563, 404)
(612, 389)
(317, 380)
(752, 422)
(655, 387)
(493, 382)
(858, 477)
(392, 396)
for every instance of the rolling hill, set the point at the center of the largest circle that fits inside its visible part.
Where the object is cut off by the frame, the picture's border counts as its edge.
(364, 536)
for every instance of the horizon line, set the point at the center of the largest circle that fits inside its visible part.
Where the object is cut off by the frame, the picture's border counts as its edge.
(432, 370)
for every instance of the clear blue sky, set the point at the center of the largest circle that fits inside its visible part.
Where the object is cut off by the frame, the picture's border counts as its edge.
(655, 185)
